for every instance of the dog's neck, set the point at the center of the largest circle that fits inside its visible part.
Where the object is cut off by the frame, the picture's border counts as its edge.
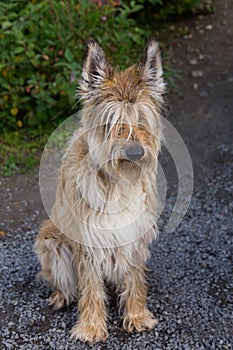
(98, 188)
(107, 178)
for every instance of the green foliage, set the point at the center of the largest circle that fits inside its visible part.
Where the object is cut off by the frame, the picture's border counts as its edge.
(41, 49)
(42, 43)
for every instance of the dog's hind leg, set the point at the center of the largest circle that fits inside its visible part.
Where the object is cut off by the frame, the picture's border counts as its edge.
(57, 268)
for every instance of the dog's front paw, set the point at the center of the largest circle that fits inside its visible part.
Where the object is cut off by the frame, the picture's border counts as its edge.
(91, 333)
(139, 322)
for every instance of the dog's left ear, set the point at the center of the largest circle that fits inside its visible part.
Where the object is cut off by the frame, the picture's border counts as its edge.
(95, 68)
(151, 67)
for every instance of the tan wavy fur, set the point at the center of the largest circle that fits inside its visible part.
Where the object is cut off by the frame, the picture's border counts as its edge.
(104, 215)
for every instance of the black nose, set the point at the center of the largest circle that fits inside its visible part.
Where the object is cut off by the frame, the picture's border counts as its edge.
(135, 152)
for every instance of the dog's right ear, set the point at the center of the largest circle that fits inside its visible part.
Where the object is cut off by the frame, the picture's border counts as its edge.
(95, 69)
(151, 68)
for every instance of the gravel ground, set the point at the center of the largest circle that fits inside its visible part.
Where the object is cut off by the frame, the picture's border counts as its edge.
(190, 277)
(190, 285)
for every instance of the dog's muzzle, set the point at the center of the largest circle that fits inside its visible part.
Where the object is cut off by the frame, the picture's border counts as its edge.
(134, 152)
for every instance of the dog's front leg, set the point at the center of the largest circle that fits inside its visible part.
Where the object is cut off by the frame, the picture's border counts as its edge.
(91, 326)
(133, 297)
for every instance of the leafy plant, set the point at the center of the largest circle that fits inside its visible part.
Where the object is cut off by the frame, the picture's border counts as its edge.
(41, 48)
(42, 44)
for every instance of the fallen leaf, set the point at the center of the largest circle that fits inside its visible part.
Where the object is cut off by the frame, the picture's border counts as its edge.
(2, 233)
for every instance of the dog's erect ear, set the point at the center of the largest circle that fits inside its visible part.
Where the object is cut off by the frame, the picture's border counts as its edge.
(151, 66)
(95, 68)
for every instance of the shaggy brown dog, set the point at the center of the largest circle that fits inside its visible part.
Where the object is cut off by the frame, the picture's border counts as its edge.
(104, 216)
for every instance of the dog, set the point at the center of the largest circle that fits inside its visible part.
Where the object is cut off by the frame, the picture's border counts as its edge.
(104, 216)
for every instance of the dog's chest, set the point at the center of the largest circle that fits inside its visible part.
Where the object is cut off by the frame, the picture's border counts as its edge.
(125, 205)
(121, 219)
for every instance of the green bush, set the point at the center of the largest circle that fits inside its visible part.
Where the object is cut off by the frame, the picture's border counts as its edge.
(42, 43)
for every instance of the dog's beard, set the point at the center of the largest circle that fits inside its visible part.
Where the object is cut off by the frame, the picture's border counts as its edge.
(124, 169)
(118, 166)
(109, 156)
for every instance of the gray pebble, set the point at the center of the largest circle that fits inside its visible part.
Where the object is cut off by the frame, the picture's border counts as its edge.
(197, 73)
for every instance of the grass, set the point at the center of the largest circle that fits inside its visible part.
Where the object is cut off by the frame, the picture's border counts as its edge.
(20, 151)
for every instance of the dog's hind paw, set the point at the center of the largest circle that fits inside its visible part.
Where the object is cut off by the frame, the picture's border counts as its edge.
(89, 333)
(57, 299)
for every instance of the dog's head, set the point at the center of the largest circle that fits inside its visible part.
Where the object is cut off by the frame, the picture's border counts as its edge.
(121, 110)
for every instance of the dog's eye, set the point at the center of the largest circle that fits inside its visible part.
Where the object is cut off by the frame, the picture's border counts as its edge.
(122, 130)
